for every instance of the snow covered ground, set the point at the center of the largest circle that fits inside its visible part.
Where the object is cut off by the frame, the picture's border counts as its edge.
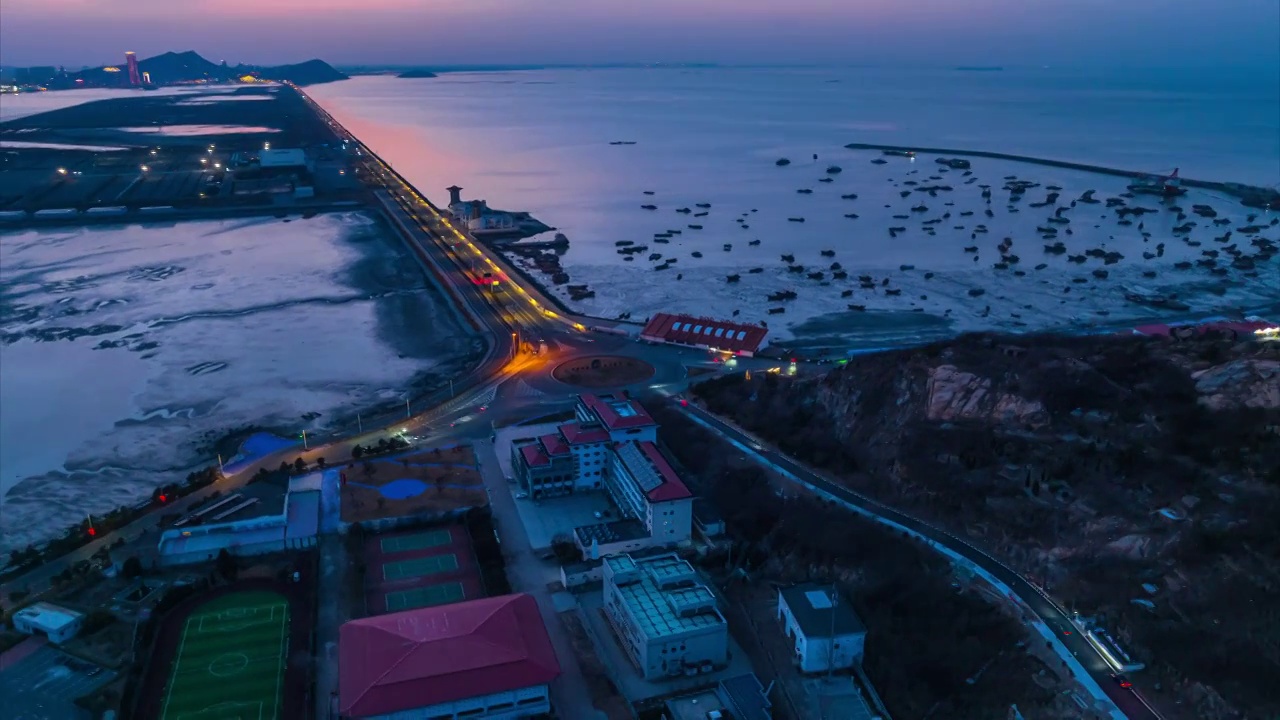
(128, 350)
(14, 106)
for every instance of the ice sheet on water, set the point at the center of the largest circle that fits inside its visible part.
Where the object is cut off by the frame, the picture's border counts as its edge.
(128, 349)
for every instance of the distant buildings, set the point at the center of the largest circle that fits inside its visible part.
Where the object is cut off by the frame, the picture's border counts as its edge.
(826, 630)
(730, 337)
(611, 445)
(482, 659)
(664, 616)
(56, 623)
(131, 61)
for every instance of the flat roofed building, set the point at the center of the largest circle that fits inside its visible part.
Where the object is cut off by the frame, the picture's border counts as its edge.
(282, 158)
(489, 658)
(664, 617)
(56, 623)
(826, 631)
(741, 697)
(622, 417)
(720, 335)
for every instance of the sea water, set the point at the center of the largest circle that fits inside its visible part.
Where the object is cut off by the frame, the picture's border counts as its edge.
(540, 140)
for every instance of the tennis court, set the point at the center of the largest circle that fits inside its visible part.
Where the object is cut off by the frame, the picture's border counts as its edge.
(231, 660)
(419, 541)
(418, 567)
(428, 596)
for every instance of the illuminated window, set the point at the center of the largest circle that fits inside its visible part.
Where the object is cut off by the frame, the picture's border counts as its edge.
(697, 328)
(719, 332)
(742, 334)
(707, 331)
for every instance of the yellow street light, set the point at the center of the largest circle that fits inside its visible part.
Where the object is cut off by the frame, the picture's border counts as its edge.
(62, 171)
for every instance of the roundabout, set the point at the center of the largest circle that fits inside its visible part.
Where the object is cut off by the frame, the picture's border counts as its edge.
(603, 371)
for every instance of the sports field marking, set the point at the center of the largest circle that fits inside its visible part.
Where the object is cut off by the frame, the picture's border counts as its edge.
(428, 596)
(418, 567)
(419, 541)
(223, 669)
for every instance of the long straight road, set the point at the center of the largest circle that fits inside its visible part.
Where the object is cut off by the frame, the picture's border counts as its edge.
(1129, 701)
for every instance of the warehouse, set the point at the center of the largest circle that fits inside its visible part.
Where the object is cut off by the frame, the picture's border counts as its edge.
(481, 659)
(708, 333)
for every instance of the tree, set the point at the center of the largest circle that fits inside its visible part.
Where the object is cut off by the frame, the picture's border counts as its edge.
(299, 465)
(225, 564)
(95, 621)
(357, 452)
(132, 567)
(320, 463)
(284, 467)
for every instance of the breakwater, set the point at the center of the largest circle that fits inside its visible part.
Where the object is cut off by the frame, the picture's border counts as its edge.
(1240, 190)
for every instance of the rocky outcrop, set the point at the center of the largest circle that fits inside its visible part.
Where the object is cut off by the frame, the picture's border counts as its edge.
(957, 395)
(1247, 382)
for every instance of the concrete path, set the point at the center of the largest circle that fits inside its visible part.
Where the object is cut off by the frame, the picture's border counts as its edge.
(529, 574)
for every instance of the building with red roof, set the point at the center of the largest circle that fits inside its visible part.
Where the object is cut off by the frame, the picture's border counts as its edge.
(486, 658)
(610, 445)
(645, 487)
(701, 332)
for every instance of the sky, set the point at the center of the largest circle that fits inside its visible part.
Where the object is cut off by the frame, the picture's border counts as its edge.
(1094, 33)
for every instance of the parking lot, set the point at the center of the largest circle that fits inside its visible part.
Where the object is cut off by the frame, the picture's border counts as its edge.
(45, 684)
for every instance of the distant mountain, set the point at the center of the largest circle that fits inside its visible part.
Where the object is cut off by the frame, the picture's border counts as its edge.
(311, 72)
(178, 67)
(417, 74)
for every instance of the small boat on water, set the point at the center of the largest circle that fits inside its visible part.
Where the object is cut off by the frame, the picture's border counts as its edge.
(1163, 185)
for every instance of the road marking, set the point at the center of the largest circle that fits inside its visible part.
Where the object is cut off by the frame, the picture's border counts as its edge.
(177, 662)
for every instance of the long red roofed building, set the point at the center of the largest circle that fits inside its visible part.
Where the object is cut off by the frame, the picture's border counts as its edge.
(486, 658)
(737, 338)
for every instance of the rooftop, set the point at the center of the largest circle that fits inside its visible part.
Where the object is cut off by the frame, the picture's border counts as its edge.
(611, 532)
(819, 610)
(745, 697)
(554, 445)
(657, 479)
(693, 330)
(576, 434)
(617, 413)
(533, 455)
(407, 660)
(47, 616)
(664, 597)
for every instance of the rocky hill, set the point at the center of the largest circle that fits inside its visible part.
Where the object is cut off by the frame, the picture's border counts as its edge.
(1136, 479)
(188, 66)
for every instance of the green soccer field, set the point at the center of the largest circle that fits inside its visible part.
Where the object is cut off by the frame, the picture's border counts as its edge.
(231, 660)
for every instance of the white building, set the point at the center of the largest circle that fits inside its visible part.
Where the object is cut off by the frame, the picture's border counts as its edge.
(283, 158)
(56, 623)
(826, 630)
(294, 527)
(664, 617)
(645, 487)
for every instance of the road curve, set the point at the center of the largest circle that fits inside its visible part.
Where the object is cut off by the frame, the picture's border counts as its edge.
(1128, 701)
